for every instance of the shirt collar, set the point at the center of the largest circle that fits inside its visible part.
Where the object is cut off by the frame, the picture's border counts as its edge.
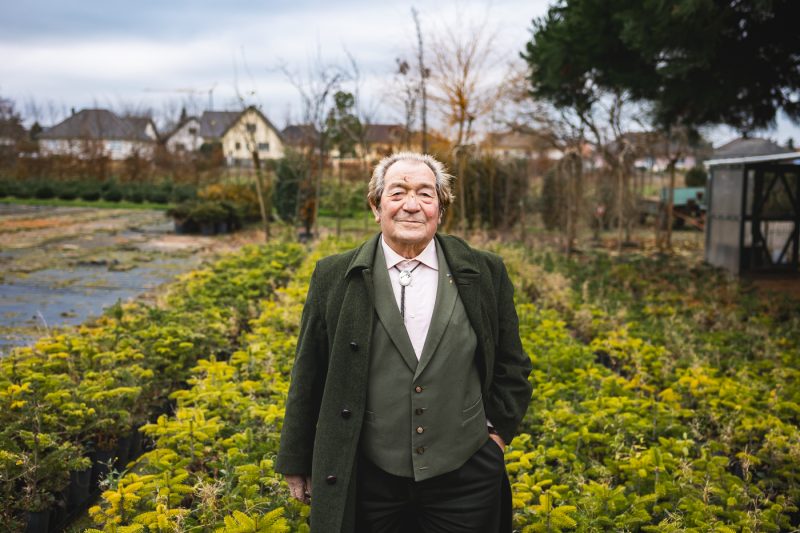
(428, 256)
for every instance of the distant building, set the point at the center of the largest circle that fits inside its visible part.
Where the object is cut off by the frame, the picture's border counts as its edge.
(300, 136)
(516, 144)
(381, 140)
(99, 132)
(184, 137)
(241, 132)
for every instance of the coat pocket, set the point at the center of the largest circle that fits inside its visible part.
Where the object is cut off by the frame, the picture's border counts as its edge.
(472, 411)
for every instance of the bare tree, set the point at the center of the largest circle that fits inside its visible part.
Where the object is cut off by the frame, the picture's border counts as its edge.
(248, 131)
(423, 74)
(316, 87)
(463, 90)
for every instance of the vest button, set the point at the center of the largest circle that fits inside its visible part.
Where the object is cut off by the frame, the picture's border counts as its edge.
(420, 429)
(419, 410)
(330, 480)
(417, 389)
(346, 413)
(354, 346)
(421, 450)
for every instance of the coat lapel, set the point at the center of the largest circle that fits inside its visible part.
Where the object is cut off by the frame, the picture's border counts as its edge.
(465, 270)
(388, 313)
(446, 296)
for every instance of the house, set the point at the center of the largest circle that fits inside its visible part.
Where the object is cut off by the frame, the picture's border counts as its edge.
(381, 140)
(300, 136)
(239, 133)
(99, 133)
(515, 144)
(185, 136)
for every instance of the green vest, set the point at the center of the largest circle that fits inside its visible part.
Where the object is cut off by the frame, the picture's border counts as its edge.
(423, 418)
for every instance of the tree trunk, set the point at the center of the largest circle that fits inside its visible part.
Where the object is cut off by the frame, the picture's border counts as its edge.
(260, 192)
(670, 203)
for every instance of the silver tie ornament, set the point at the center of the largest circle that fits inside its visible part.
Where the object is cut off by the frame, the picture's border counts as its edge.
(405, 281)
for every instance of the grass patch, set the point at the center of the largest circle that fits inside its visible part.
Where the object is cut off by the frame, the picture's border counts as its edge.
(101, 204)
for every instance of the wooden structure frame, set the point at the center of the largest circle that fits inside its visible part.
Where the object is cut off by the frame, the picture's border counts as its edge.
(753, 218)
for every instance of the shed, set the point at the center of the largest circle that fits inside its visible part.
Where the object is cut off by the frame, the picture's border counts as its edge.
(753, 217)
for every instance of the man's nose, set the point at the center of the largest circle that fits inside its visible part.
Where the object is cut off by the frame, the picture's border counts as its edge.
(411, 203)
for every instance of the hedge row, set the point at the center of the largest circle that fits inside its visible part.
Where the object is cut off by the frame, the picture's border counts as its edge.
(77, 399)
(92, 190)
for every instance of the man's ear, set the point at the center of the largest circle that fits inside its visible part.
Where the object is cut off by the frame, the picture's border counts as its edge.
(375, 211)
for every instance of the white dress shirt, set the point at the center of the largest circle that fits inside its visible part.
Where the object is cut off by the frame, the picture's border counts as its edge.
(420, 295)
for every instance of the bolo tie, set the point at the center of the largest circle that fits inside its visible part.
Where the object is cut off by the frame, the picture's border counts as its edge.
(405, 281)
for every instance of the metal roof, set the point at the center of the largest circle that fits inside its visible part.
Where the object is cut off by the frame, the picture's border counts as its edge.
(788, 156)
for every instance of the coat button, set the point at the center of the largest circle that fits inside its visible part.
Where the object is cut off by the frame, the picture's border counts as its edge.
(421, 450)
(346, 413)
(418, 389)
(420, 429)
(419, 410)
(354, 346)
(330, 480)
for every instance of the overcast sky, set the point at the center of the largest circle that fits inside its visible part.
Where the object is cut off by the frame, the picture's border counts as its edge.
(160, 55)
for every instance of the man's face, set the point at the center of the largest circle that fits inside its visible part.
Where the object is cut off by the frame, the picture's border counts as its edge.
(409, 207)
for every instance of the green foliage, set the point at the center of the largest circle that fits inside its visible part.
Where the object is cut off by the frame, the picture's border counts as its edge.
(696, 177)
(291, 171)
(697, 62)
(81, 390)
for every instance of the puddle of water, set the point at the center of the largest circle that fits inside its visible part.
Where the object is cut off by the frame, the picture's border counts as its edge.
(55, 297)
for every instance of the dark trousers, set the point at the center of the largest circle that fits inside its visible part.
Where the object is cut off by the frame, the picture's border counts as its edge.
(466, 500)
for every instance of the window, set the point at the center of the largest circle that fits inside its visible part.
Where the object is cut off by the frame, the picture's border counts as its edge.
(263, 147)
(192, 131)
(238, 146)
(251, 128)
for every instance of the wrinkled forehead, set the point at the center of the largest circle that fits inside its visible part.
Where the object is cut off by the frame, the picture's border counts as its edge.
(409, 173)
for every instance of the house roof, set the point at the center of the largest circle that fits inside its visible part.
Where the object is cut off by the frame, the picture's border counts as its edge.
(770, 158)
(215, 124)
(747, 147)
(300, 134)
(383, 133)
(99, 124)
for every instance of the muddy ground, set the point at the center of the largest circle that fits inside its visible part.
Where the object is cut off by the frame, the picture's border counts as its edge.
(60, 266)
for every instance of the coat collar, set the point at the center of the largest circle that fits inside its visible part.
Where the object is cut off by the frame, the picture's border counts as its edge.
(460, 257)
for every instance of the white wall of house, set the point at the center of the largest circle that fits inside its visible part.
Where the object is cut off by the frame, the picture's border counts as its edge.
(251, 128)
(186, 138)
(115, 149)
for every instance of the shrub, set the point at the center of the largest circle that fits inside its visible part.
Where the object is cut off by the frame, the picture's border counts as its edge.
(112, 193)
(90, 191)
(69, 190)
(696, 177)
(44, 190)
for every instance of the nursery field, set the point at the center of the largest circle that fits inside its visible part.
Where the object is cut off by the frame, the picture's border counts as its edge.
(60, 266)
(666, 398)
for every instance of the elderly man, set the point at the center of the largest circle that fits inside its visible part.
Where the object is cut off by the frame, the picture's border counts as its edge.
(409, 377)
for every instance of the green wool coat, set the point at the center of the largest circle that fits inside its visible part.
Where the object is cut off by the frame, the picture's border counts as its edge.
(327, 395)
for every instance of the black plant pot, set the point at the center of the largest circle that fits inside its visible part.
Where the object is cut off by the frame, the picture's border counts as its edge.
(38, 522)
(208, 228)
(135, 449)
(58, 514)
(121, 453)
(100, 461)
(78, 490)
